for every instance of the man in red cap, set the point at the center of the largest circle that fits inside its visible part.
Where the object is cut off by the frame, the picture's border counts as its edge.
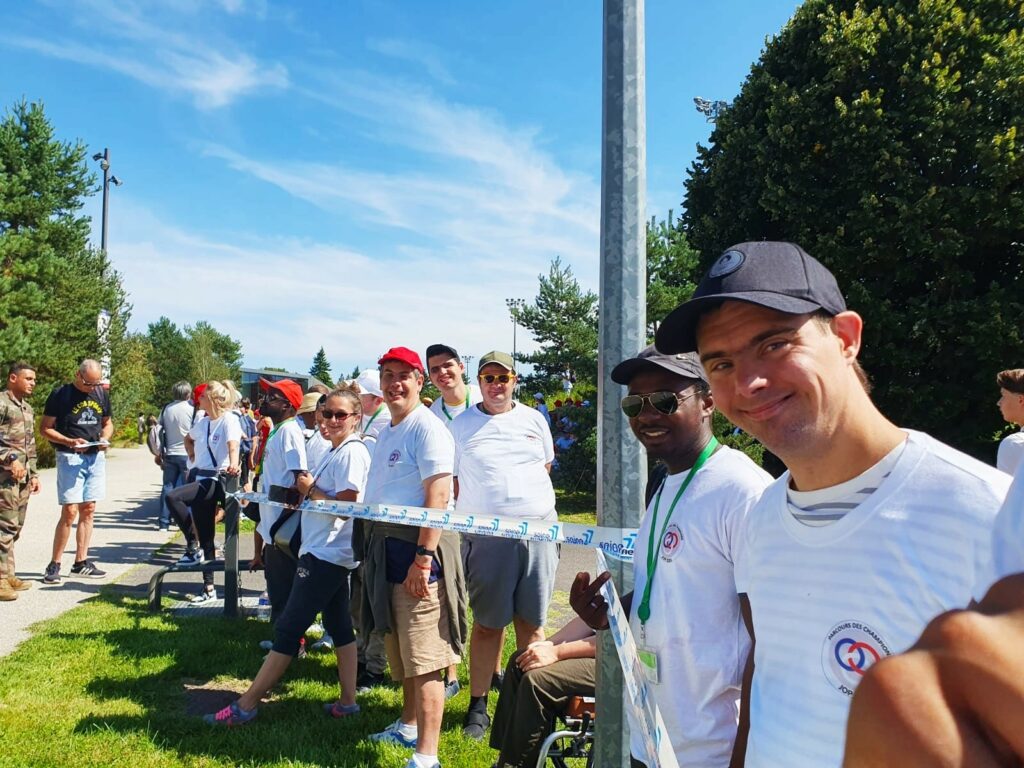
(284, 459)
(414, 588)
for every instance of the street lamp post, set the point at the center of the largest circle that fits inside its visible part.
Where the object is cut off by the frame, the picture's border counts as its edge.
(710, 109)
(514, 307)
(108, 178)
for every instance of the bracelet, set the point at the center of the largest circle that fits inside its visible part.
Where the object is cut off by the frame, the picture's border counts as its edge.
(422, 567)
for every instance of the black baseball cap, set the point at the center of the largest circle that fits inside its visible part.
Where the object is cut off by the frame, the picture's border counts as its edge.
(777, 275)
(440, 349)
(685, 364)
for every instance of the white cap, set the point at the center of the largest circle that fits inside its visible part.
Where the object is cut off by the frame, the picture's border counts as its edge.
(369, 382)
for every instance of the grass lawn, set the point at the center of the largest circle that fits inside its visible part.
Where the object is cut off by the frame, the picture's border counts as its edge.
(576, 507)
(109, 684)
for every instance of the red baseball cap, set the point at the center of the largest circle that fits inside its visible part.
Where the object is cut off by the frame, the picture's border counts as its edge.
(197, 392)
(291, 391)
(402, 355)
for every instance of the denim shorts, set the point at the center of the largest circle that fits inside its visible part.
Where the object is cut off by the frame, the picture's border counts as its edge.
(81, 477)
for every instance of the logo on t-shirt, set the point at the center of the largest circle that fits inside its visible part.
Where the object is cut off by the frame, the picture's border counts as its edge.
(671, 542)
(850, 648)
(86, 413)
(394, 457)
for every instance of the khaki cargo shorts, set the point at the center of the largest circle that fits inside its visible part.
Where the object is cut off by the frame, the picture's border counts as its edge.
(419, 641)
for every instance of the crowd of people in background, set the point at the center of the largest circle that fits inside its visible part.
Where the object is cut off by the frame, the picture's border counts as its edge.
(761, 607)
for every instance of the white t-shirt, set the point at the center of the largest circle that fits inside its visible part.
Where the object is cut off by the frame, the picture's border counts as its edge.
(1011, 453)
(695, 625)
(828, 602)
(317, 446)
(329, 537)
(1008, 535)
(214, 435)
(500, 462)
(406, 455)
(285, 454)
(447, 413)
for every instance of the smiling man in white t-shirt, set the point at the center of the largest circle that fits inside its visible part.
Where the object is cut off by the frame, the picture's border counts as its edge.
(413, 575)
(684, 611)
(446, 369)
(872, 532)
(503, 455)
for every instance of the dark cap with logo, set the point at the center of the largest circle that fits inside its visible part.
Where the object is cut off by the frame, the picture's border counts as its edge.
(685, 364)
(780, 276)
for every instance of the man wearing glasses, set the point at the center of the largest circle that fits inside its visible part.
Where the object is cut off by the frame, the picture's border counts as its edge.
(684, 610)
(503, 455)
(76, 419)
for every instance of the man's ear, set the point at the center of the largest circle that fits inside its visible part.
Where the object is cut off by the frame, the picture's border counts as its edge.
(707, 404)
(848, 327)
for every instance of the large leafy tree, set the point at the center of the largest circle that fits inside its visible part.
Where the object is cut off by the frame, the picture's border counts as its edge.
(563, 321)
(885, 137)
(170, 356)
(52, 285)
(321, 368)
(212, 354)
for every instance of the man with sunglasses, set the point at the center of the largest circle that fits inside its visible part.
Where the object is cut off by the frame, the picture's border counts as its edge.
(76, 420)
(503, 455)
(684, 610)
(446, 368)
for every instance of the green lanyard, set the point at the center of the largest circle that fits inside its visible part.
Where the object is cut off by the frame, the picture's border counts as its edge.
(445, 408)
(644, 611)
(375, 415)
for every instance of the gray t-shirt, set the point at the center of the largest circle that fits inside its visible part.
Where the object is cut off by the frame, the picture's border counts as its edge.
(176, 421)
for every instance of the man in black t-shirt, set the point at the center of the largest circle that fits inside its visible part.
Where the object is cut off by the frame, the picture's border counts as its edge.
(76, 420)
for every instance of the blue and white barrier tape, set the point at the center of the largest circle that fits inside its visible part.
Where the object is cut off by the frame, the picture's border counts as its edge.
(615, 542)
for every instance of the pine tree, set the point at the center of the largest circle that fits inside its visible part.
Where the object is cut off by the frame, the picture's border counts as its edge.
(321, 369)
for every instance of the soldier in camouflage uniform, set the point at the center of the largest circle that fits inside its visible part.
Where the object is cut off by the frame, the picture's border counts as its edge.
(18, 477)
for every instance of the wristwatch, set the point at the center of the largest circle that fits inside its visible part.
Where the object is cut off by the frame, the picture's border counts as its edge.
(11, 458)
(422, 551)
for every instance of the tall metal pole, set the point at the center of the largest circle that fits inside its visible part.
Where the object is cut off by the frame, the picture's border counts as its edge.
(105, 165)
(623, 299)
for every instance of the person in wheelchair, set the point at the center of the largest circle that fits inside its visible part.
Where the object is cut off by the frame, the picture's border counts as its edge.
(539, 683)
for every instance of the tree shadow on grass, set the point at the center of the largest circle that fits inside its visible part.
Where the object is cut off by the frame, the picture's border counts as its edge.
(204, 663)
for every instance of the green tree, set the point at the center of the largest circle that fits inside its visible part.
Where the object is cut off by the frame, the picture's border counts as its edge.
(52, 285)
(132, 377)
(563, 321)
(170, 358)
(321, 368)
(885, 138)
(673, 269)
(212, 354)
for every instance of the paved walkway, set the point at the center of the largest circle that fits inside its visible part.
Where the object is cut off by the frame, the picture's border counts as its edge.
(125, 533)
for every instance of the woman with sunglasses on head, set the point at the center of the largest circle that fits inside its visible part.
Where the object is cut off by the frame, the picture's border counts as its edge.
(212, 445)
(321, 581)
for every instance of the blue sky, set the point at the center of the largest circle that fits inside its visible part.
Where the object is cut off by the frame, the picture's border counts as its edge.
(359, 174)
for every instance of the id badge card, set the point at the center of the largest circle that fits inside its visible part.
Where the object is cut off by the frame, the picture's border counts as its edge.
(649, 661)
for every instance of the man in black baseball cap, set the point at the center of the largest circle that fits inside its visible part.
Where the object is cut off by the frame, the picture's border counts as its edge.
(911, 517)
(685, 594)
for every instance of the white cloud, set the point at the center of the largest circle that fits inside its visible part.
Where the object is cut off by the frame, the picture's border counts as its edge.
(284, 298)
(126, 39)
(425, 56)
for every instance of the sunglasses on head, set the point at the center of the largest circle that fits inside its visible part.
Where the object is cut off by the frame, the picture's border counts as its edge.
(330, 415)
(666, 403)
(502, 378)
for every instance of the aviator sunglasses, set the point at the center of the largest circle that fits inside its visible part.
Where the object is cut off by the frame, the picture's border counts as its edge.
(331, 415)
(501, 378)
(663, 402)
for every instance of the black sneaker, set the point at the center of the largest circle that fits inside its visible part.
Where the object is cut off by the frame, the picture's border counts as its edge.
(87, 568)
(52, 575)
(369, 680)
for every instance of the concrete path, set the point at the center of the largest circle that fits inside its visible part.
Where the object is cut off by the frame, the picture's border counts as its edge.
(125, 534)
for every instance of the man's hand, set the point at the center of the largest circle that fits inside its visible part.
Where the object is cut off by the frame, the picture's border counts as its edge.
(233, 470)
(158, 460)
(304, 483)
(585, 598)
(77, 443)
(33, 484)
(417, 581)
(955, 698)
(256, 563)
(17, 470)
(537, 655)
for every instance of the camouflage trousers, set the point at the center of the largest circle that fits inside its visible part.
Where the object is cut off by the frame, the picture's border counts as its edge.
(13, 506)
